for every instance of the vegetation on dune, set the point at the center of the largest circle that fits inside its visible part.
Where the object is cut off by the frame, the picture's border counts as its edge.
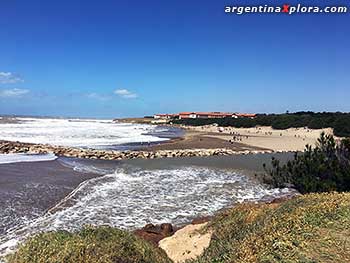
(309, 228)
(340, 122)
(90, 245)
(326, 167)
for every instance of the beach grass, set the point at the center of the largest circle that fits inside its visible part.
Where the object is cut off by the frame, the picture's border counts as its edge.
(309, 228)
(90, 245)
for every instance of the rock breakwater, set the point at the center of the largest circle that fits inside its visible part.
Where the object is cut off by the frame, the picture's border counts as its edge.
(7, 147)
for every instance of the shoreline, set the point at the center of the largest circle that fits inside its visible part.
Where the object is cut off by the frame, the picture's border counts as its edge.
(193, 139)
(7, 147)
(292, 139)
(260, 138)
(196, 141)
(186, 141)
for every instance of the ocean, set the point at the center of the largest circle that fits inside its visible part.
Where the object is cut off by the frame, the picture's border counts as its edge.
(45, 192)
(85, 133)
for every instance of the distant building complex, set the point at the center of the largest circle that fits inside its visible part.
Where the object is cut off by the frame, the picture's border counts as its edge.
(204, 115)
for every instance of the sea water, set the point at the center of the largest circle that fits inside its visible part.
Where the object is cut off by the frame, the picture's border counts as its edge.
(128, 197)
(80, 132)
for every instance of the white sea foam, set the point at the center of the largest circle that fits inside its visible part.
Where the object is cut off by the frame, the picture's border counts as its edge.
(19, 158)
(79, 166)
(129, 198)
(77, 132)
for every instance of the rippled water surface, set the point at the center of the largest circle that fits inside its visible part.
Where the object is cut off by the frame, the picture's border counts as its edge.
(80, 132)
(128, 196)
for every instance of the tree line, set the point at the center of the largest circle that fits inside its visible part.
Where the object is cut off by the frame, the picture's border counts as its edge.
(339, 121)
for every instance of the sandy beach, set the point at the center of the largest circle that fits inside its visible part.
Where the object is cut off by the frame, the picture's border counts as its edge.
(198, 139)
(257, 138)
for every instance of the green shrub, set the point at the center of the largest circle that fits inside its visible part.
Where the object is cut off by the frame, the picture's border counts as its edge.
(90, 245)
(309, 228)
(326, 167)
(342, 126)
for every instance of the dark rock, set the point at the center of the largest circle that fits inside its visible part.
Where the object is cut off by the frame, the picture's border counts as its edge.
(167, 229)
(155, 233)
(201, 220)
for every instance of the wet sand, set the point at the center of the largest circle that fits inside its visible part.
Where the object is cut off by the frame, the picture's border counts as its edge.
(193, 139)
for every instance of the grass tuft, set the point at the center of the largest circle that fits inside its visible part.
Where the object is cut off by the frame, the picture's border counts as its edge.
(309, 228)
(90, 245)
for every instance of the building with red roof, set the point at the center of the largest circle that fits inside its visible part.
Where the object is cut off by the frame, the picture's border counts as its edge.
(204, 115)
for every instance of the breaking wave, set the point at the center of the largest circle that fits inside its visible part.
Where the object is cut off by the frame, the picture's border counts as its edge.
(78, 132)
(129, 198)
(19, 157)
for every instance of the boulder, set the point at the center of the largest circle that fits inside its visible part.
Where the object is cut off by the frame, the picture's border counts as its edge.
(155, 233)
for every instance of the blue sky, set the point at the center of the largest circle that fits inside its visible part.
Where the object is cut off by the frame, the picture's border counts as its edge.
(134, 58)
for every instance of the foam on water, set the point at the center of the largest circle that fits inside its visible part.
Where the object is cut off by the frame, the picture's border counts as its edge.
(77, 132)
(18, 158)
(78, 165)
(130, 198)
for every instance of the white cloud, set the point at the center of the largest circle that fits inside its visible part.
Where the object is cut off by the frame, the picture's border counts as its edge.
(9, 78)
(124, 93)
(97, 96)
(13, 93)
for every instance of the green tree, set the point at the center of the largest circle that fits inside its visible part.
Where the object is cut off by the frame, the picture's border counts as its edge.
(326, 167)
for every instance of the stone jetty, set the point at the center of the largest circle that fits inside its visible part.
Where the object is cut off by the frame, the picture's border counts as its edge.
(7, 147)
